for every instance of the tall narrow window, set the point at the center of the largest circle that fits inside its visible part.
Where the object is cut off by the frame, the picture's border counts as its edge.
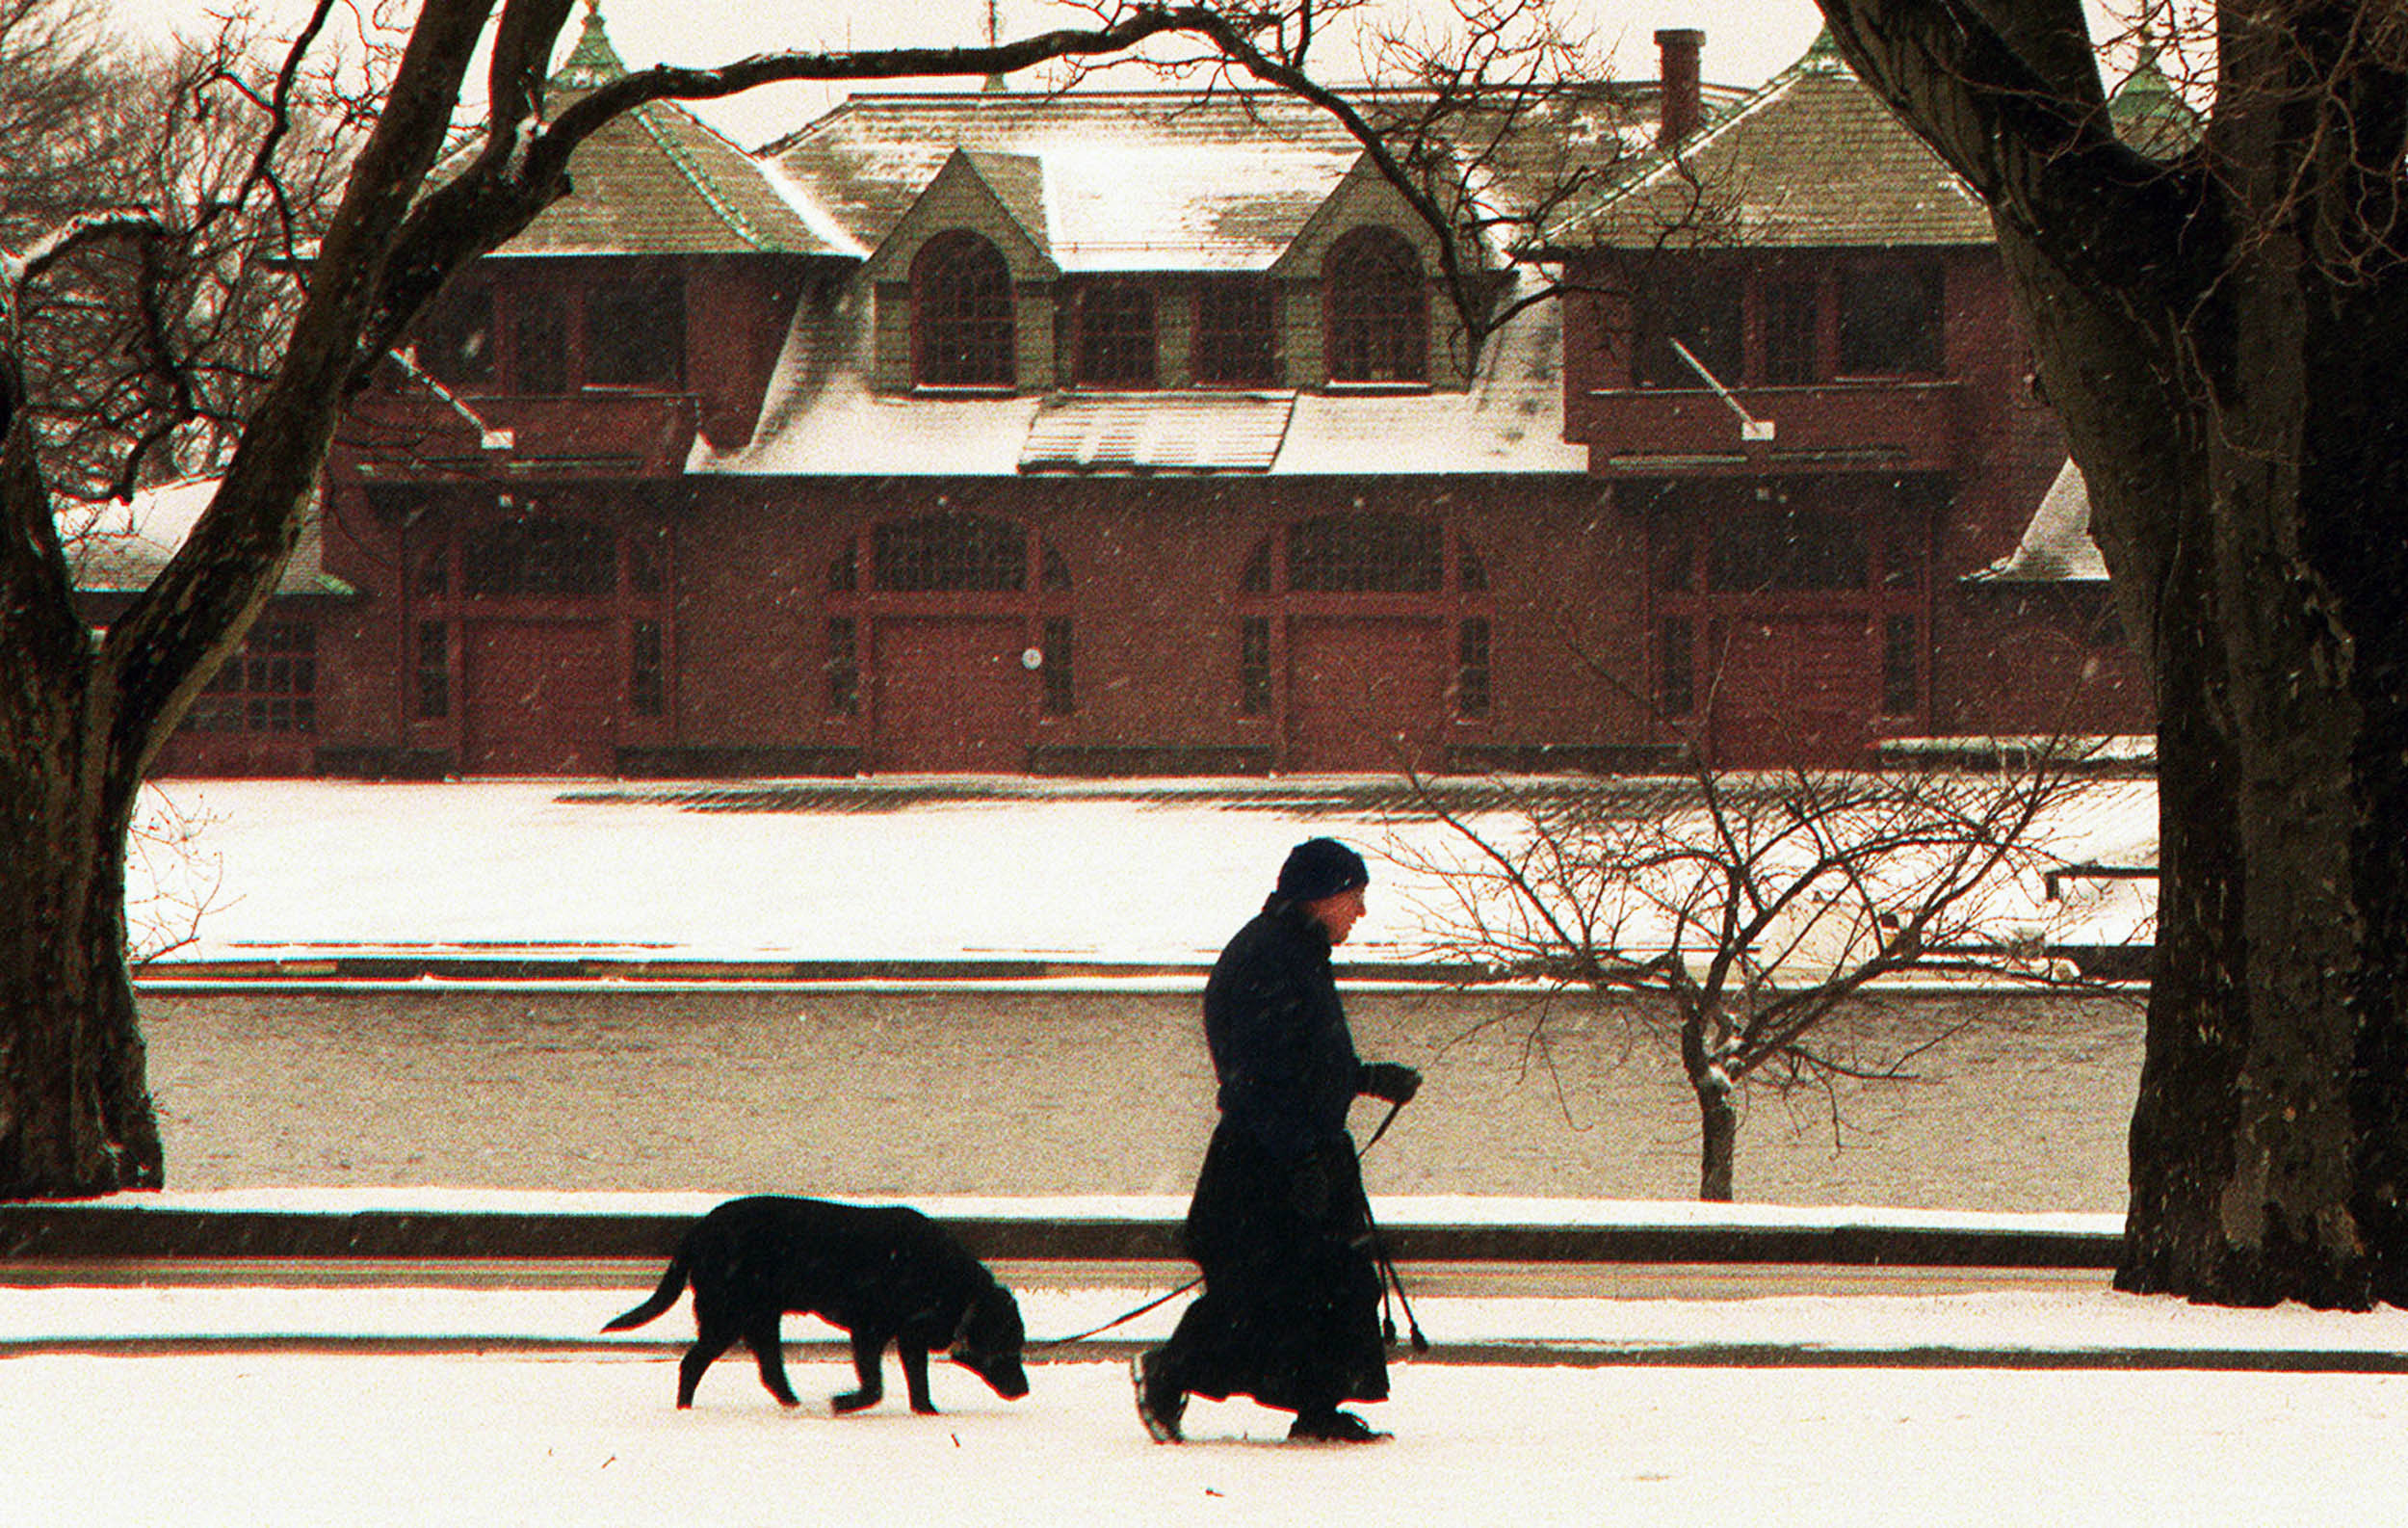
(648, 673)
(1890, 319)
(635, 333)
(1236, 328)
(455, 342)
(1700, 311)
(1792, 334)
(1055, 663)
(1471, 669)
(434, 670)
(1115, 322)
(1676, 668)
(1378, 309)
(1254, 665)
(843, 666)
(1899, 667)
(539, 342)
(962, 334)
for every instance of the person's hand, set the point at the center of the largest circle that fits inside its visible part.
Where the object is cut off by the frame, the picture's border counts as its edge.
(1389, 1080)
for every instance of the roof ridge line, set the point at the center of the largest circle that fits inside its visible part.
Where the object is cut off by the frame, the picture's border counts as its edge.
(737, 223)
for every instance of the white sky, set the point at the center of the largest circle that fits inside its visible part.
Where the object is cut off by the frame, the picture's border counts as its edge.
(1746, 40)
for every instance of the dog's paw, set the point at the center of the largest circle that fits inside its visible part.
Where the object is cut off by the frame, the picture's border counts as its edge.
(852, 1401)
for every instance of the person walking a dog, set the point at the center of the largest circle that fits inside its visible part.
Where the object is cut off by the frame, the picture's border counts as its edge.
(1279, 1225)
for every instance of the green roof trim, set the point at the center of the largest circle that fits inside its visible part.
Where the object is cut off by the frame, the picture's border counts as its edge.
(592, 61)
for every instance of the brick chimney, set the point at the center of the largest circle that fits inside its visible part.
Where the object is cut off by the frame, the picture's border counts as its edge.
(1683, 107)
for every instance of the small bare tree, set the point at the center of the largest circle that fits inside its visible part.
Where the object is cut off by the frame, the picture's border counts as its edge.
(1756, 908)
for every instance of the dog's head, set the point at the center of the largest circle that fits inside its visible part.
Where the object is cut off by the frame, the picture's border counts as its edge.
(988, 1342)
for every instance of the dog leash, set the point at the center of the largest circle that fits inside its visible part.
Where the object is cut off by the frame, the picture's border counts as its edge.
(1379, 1253)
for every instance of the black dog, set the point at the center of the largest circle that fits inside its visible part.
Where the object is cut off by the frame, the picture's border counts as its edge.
(883, 1275)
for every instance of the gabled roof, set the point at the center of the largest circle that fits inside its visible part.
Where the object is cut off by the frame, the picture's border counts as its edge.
(2056, 546)
(1106, 179)
(119, 548)
(1814, 159)
(658, 181)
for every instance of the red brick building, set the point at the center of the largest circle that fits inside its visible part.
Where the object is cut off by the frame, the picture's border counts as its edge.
(1111, 433)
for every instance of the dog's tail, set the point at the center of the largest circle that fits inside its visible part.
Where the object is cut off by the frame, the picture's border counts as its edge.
(672, 1284)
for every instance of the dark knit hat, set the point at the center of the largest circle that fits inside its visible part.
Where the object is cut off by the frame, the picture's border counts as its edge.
(1321, 868)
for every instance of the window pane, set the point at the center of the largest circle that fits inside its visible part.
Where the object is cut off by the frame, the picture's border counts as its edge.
(1792, 334)
(1378, 310)
(635, 333)
(843, 668)
(537, 557)
(1778, 550)
(647, 678)
(1676, 668)
(456, 338)
(1116, 335)
(1366, 554)
(539, 342)
(941, 553)
(434, 670)
(1471, 675)
(1234, 328)
(1254, 665)
(1701, 311)
(1899, 667)
(1890, 319)
(961, 314)
(1060, 695)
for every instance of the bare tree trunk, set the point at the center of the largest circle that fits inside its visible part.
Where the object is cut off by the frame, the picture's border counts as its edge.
(1717, 1109)
(75, 1108)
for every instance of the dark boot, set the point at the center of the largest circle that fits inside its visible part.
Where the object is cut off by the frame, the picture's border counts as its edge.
(1160, 1404)
(1332, 1426)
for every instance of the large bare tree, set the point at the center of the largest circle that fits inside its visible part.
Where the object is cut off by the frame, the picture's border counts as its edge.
(1753, 915)
(2224, 331)
(81, 717)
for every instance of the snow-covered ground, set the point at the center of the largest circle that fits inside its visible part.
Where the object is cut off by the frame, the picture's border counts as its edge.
(272, 1438)
(1085, 871)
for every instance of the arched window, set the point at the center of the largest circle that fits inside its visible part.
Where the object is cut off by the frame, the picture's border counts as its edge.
(961, 314)
(951, 552)
(1366, 553)
(1378, 309)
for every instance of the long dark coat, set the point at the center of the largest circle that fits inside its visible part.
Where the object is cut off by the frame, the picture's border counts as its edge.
(1290, 1313)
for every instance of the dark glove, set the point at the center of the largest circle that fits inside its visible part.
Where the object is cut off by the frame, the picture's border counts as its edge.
(1386, 1079)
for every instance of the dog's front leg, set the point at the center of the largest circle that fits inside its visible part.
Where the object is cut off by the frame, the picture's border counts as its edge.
(915, 1368)
(869, 1351)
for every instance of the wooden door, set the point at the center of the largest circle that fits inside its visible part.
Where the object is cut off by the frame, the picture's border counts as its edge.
(541, 698)
(952, 696)
(1792, 690)
(1367, 692)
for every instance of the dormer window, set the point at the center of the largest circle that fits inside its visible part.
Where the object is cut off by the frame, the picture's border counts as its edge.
(962, 332)
(1115, 336)
(1378, 309)
(1236, 328)
(455, 344)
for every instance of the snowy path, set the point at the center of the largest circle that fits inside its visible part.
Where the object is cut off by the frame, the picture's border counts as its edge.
(273, 1439)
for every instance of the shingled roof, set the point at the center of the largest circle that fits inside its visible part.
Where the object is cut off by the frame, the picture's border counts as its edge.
(1814, 159)
(658, 181)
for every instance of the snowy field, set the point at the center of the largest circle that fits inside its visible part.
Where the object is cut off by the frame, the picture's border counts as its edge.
(1085, 872)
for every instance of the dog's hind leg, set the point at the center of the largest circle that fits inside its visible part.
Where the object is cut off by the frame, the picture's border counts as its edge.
(769, 1351)
(710, 1341)
(869, 1351)
(915, 1368)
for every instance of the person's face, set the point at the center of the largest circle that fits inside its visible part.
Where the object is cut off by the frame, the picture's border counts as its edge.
(1337, 913)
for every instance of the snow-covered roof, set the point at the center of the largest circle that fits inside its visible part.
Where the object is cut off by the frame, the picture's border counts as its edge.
(118, 548)
(1813, 159)
(822, 418)
(1127, 181)
(2055, 548)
